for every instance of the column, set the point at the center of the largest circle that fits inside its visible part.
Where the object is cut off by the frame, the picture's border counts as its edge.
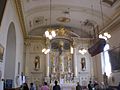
(62, 57)
(75, 62)
(47, 65)
(47, 58)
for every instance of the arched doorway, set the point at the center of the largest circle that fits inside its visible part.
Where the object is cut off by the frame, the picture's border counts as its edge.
(10, 57)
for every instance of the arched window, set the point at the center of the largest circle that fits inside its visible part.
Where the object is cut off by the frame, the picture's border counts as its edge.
(106, 67)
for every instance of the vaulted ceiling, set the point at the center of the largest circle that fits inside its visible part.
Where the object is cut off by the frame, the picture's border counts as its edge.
(78, 16)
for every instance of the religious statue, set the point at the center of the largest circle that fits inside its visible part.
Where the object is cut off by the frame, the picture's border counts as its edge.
(37, 63)
(83, 64)
(105, 79)
(69, 65)
(60, 49)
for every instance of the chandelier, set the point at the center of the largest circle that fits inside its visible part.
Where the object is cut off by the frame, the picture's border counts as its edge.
(45, 51)
(50, 33)
(59, 37)
(105, 36)
(82, 51)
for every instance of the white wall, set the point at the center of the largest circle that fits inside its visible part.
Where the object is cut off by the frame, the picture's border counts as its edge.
(9, 16)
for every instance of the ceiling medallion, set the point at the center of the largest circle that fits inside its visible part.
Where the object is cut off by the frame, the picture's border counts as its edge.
(63, 19)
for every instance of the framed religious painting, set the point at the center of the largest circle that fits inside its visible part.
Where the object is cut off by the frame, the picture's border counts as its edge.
(1, 52)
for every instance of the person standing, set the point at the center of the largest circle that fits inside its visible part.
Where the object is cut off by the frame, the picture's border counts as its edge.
(56, 87)
(105, 79)
(32, 86)
(25, 86)
(90, 85)
(78, 87)
(44, 87)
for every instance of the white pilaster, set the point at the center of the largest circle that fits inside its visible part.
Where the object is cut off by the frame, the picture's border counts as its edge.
(62, 57)
(47, 64)
(75, 62)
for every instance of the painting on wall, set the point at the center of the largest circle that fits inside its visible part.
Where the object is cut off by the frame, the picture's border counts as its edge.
(1, 53)
(83, 64)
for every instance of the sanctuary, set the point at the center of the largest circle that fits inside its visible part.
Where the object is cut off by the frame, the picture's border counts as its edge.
(65, 40)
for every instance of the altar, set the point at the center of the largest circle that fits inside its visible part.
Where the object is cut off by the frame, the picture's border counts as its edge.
(66, 86)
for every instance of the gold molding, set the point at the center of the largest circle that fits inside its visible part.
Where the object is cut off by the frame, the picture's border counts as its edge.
(21, 17)
(33, 38)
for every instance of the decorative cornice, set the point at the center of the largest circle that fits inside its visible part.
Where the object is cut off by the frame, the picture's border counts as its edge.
(35, 38)
(114, 23)
(21, 17)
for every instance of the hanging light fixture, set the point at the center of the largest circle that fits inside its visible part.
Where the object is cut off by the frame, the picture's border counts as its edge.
(45, 51)
(105, 35)
(50, 33)
(82, 49)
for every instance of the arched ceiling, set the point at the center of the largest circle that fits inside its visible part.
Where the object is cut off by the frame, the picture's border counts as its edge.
(83, 14)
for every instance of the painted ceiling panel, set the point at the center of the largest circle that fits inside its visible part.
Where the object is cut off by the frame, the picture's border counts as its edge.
(83, 14)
